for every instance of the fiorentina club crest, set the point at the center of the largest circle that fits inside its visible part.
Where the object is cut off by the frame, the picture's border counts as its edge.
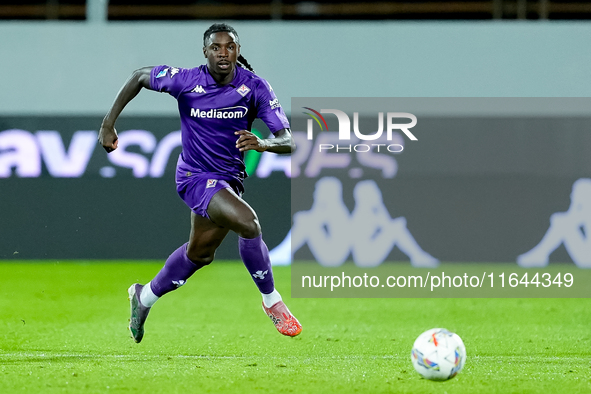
(211, 183)
(243, 90)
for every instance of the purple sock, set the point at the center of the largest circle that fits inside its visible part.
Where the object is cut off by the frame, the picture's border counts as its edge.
(255, 256)
(177, 269)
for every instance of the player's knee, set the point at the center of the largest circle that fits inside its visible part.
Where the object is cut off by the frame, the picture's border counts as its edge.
(250, 228)
(199, 257)
(202, 261)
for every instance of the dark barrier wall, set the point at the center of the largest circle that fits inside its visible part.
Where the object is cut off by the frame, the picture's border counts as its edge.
(471, 189)
(83, 205)
(117, 218)
(465, 218)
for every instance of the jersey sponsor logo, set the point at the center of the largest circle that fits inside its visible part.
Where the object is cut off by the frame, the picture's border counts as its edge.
(243, 90)
(198, 89)
(274, 103)
(220, 113)
(211, 183)
(162, 73)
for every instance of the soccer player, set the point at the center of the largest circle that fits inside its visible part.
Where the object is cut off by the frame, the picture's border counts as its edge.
(217, 103)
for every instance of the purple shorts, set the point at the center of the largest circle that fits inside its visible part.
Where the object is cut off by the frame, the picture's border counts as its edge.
(197, 189)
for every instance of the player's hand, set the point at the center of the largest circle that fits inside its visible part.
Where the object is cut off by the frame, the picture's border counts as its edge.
(249, 141)
(108, 138)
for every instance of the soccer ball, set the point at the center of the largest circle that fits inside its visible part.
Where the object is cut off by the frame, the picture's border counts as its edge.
(438, 354)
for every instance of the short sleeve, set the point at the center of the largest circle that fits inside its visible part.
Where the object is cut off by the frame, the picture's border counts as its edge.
(269, 109)
(171, 80)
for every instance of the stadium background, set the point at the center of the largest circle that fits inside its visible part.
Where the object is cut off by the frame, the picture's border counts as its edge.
(63, 63)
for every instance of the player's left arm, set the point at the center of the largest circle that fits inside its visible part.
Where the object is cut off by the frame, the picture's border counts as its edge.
(282, 143)
(269, 110)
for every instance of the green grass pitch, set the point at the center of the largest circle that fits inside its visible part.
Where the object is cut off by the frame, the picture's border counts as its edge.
(63, 329)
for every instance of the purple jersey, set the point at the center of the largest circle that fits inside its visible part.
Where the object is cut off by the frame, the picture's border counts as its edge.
(211, 113)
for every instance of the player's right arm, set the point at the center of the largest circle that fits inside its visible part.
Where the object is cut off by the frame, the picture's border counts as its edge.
(139, 79)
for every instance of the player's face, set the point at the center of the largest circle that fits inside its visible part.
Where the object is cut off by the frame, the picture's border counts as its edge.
(221, 52)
